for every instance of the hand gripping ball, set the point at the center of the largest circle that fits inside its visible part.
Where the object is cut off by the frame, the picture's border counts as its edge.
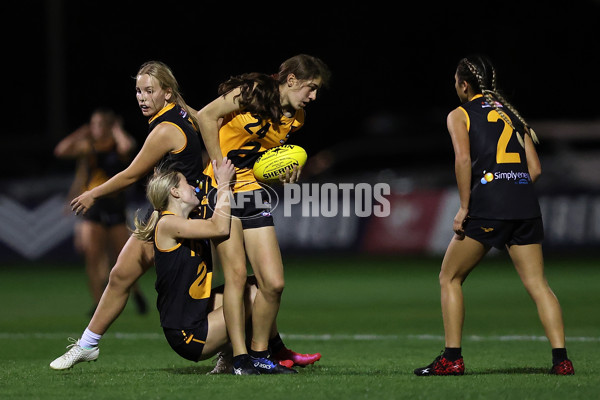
(274, 162)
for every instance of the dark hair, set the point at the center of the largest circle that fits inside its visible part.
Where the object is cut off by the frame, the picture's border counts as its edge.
(260, 92)
(479, 72)
(304, 67)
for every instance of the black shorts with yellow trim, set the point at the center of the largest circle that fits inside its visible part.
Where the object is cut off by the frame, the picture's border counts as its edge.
(504, 233)
(188, 343)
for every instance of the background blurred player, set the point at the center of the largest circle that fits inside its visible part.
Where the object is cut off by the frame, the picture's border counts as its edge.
(102, 148)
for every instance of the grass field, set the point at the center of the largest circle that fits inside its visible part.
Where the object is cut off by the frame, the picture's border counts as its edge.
(374, 321)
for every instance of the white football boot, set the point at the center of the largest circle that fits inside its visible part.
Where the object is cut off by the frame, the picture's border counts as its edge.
(75, 355)
(223, 364)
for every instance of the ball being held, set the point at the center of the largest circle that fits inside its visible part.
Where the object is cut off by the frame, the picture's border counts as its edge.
(276, 160)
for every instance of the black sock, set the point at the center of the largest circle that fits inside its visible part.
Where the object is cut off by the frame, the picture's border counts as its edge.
(559, 355)
(452, 353)
(276, 344)
(259, 354)
(239, 358)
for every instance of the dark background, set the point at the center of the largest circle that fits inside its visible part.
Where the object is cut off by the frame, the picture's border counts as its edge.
(392, 65)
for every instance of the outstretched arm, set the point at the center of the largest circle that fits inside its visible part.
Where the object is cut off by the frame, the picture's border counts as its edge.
(163, 139)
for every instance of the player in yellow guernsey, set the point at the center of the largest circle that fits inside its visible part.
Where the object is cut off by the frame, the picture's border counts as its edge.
(253, 113)
(243, 136)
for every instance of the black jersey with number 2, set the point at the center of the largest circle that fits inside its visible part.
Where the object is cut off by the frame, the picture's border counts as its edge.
(501, 187)
(183, 282)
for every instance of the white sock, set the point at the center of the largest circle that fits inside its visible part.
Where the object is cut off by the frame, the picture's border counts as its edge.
(89, 339)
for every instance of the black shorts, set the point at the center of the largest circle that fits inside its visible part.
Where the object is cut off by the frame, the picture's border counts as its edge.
(500, 233)
(253, 208)
(107, 211)
(188, 343)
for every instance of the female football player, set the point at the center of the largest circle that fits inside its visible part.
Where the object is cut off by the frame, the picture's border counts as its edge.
(173, 139)
(102, 148)
(496, 165)
(255, 112)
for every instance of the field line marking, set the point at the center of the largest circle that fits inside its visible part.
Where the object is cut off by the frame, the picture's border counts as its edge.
(317, 337)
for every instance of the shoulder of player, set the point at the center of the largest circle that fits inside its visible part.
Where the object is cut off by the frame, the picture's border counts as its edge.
(458, 114)
(166, 132)
(169, 223)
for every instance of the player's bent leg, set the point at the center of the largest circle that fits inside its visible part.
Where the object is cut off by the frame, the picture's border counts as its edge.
(119, 235)
(134, 260)
(528, 261)
(217, 338)
(97, 263)
(461, 257)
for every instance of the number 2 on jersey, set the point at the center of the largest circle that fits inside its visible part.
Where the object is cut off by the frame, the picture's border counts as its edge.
(201, 287)
(502, 156)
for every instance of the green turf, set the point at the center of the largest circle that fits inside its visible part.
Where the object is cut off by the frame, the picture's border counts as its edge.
(374, 321)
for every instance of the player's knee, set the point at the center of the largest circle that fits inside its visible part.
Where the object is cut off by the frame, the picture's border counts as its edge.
(120, 276)
(273, 287)
(446, 279)
(443, 278)
(237, 277)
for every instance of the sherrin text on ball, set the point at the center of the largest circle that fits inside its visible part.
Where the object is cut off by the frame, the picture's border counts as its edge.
(274, 162)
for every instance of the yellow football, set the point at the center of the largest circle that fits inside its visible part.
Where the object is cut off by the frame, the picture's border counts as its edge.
(274, 162)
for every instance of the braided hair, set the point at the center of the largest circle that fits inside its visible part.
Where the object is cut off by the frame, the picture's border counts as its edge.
(478, 71)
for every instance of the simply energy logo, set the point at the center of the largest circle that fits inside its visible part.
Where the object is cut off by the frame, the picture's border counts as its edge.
(520, 178)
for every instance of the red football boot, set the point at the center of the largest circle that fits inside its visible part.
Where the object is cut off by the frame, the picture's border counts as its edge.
(564, 367)
(442, 366)
(301, 360)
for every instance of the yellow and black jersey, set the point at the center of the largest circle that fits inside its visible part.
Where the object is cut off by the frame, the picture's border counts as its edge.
(501, 187)
(183, 282)
(188, 159)
(243, 137)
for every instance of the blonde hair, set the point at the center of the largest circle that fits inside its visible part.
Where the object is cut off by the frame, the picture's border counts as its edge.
(164, 75)
(158, 192)
(479, 72)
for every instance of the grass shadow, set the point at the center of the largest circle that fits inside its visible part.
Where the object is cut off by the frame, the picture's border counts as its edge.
(195, 370)
(512, 371)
